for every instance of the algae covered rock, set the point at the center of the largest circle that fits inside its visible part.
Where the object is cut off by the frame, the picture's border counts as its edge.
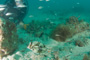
(62, 32)
(8, 37)
(72, 26)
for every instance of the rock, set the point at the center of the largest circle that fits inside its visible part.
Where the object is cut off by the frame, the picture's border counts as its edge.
(37, 47)
(8, 37)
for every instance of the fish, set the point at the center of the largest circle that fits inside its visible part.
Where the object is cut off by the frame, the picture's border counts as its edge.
(1, 9)
(57, 35)
(40, 0)
(8, 14)
(47, 0)
(11, 18)
(2, 6)
(21, 6)
(78, 3)
(17, 0)
(30, 45)
(40, 7)
(25, 26)
(31, 16)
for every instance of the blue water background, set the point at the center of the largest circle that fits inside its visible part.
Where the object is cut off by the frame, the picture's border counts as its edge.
(67, 6)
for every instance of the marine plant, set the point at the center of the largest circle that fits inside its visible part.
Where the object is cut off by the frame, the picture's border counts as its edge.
(62, 32)
(38, 27)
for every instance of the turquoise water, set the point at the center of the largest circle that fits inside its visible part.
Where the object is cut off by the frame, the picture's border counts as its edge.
(47, 30)
(74, 7)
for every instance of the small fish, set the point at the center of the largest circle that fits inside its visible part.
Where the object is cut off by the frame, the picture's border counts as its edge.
(40, 0)
(25, 26)
(17, 0)
(21, 23)
(31, 16)
(1, 9)
(8, 14)
(30, 44)
(40, 7)
(47, 0)
(78, 3)
(57, 35)
(47, 18)
(73, 7)
(11, 18)
(21, 6)
(2, 6)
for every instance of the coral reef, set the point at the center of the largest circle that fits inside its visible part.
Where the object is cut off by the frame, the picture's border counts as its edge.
(8, 37)
(78, 25)
(72, 26)
(38, 27)
(72, 20)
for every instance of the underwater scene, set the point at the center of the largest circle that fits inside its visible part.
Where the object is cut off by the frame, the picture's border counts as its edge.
(44, 29)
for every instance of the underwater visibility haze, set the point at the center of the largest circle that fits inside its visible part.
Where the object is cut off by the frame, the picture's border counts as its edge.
(44, 29)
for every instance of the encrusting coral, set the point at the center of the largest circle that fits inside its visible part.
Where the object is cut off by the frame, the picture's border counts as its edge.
(8, 37)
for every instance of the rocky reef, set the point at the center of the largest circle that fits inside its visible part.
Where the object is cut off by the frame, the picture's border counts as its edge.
(8, 37)
(72, 26)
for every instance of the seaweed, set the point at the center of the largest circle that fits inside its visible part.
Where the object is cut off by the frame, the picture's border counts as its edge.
(62, 32)
(38, 28)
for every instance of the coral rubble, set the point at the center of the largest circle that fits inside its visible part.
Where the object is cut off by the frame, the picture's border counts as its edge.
(37, 47)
